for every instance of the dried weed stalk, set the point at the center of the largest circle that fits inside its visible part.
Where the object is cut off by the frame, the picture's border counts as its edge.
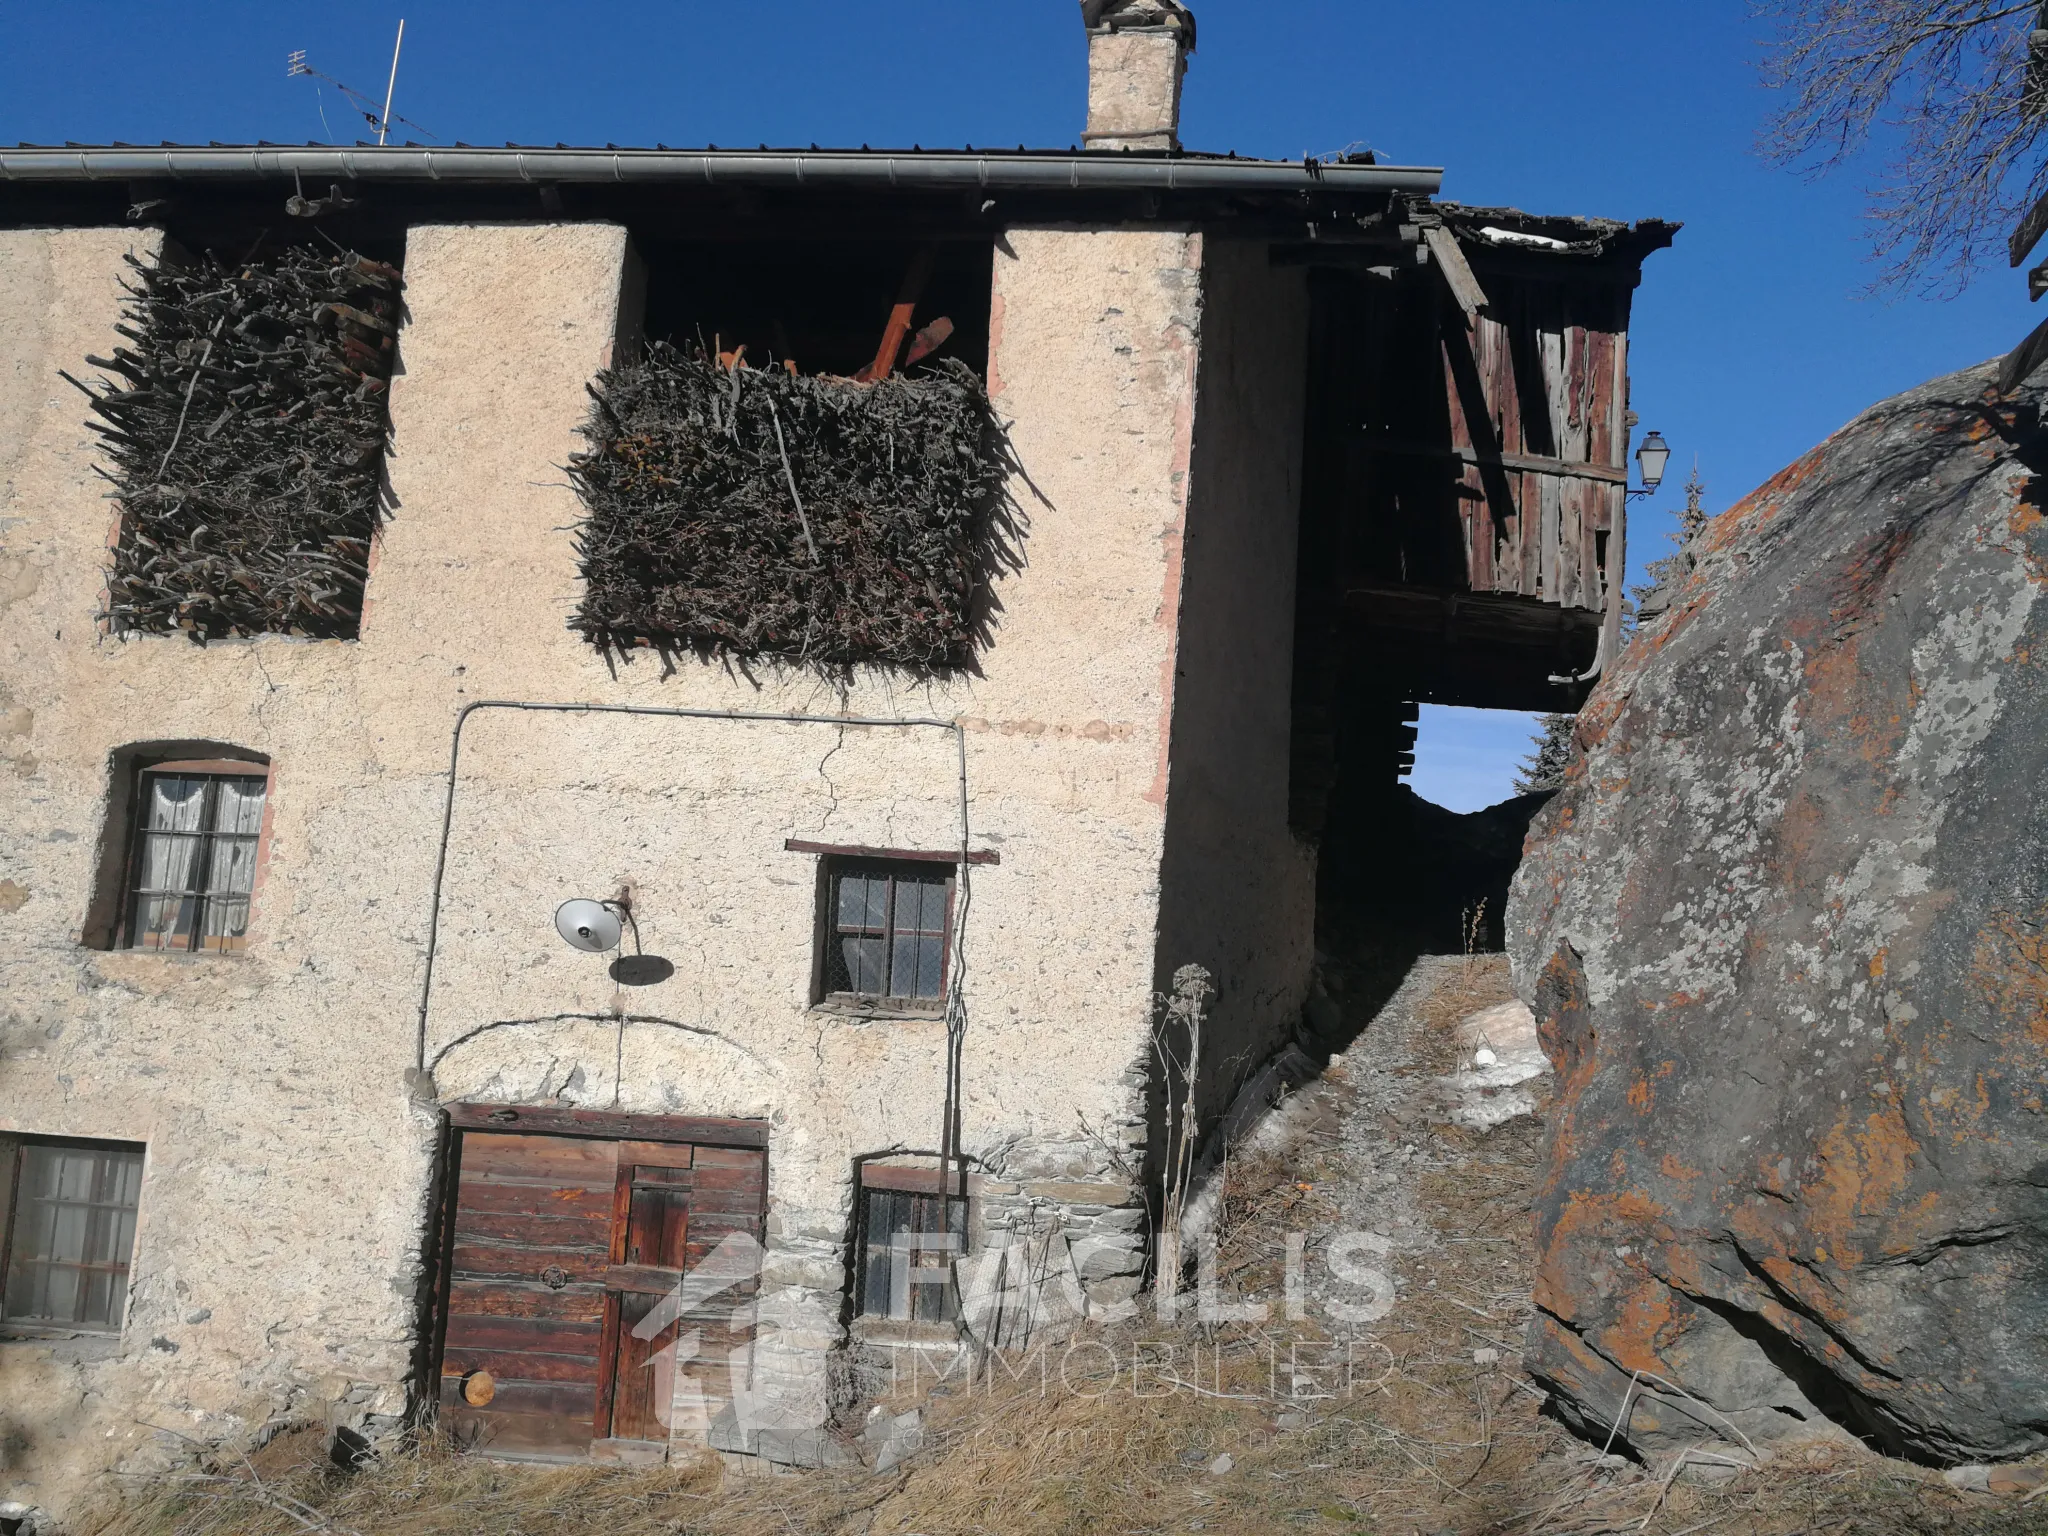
(1177, 1046)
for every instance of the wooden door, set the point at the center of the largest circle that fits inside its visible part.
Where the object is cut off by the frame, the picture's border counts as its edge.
(671, 1220)
(728, 1197)
(650, 1233)
(526, 1297)
(560, 1245)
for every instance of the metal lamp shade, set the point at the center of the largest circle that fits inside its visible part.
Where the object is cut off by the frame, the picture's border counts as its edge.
(588, 925)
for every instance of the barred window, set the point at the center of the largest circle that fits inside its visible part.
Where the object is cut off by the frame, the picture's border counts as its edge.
(69, 1231)
(909, 1243)
(890, 922)
(194, 861)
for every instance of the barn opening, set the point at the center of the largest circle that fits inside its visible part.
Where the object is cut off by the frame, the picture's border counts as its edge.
(820, 301)
(792, 456)
(1462, 544)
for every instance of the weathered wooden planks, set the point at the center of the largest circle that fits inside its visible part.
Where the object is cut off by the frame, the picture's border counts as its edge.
(1537, 394)
(566, 1228)
(544, 1377)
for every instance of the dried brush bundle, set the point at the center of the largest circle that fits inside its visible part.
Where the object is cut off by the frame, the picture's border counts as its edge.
(762, 513)
(247, 442)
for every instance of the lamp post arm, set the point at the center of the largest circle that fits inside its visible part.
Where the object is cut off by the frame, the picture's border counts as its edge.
(626, 912)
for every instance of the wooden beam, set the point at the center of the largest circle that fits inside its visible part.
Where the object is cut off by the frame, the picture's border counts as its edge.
(2030, 231)
(922, 855)
(2023, 359)
(917, 1181)
(551, 1120)
(900, 316)
(1397, 248)
(1450, 260)
(1527, 462)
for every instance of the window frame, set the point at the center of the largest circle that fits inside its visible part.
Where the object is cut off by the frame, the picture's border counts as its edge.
(925, 1305)
(898, 866)
(15, 1147)
(212, 770)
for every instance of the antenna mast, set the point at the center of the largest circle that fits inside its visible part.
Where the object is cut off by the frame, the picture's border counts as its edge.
(384, 122)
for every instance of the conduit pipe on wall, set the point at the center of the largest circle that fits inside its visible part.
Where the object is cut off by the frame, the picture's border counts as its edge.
(956, 997)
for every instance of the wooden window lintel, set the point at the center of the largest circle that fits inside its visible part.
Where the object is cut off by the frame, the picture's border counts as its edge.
(923, 1181)
(925, 856)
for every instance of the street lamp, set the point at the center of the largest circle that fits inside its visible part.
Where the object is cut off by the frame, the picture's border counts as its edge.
(1651, 458)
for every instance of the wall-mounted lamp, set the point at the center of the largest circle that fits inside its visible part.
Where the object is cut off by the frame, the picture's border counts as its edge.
(593, 926)
(1651, 458)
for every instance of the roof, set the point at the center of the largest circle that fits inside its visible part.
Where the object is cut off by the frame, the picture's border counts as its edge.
(1510, 229)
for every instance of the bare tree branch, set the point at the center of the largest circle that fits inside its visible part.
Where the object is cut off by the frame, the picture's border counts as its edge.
(1943, 92)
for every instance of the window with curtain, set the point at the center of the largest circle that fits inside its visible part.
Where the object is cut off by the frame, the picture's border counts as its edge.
(889, 925)
(194, 864)
(69, 1232)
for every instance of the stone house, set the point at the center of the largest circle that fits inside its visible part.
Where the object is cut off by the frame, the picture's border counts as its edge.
(306, 1109)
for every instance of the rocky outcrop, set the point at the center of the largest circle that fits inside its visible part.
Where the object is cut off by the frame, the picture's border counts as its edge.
(1785, 930)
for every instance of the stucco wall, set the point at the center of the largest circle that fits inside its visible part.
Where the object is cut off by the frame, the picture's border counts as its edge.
(287, 1169)
(1238, 891)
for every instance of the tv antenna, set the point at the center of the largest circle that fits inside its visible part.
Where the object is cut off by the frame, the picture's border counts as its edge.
(391, 84)
(380, 119)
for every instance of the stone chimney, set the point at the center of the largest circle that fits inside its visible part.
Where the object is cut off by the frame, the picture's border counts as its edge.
(1137, 53)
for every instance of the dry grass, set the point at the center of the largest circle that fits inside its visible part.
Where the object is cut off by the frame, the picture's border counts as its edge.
(1119, 1433)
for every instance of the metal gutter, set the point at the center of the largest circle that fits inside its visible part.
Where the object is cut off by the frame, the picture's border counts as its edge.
(918, 170)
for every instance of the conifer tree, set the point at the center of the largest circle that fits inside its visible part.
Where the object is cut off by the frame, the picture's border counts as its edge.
(1544, 767)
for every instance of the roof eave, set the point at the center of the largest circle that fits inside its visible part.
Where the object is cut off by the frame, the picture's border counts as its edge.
(917, 170)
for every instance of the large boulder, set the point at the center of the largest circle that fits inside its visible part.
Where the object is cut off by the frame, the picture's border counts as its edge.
(1785, 930)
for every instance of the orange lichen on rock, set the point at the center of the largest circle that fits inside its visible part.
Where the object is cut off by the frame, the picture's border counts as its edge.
(1801, 874)
(1672, 1167)
(2009, 970)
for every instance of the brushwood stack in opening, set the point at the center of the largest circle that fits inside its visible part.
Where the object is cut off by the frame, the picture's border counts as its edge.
(765, 513)
(247, 439)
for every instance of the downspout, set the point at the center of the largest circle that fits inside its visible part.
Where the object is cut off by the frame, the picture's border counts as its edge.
(1610, 626)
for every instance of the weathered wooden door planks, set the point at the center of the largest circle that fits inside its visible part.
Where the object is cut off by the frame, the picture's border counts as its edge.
(559, 1245)
(526, 1304)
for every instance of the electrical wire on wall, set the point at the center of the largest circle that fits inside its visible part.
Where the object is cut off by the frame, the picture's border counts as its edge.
(956, 995)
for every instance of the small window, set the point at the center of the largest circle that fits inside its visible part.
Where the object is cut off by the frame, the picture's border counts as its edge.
(889, 926)
(909, 1243)
(70, 1232)
(194, 861)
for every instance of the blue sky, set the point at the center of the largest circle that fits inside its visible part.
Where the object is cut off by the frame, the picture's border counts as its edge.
(1752, 338)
